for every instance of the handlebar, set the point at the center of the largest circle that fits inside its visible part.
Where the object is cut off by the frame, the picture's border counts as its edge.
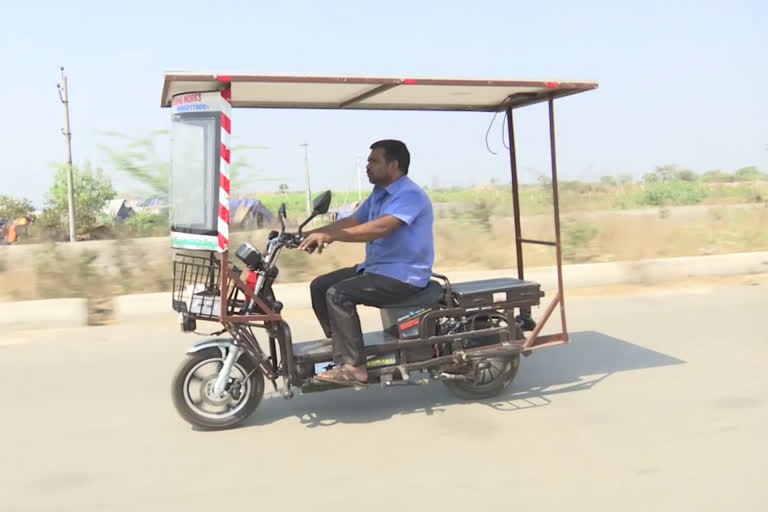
(293, 240)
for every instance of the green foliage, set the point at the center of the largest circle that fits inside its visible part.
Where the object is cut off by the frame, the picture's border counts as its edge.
(12, 208)
(480, 213)
(296, 202)
(92, 189)
(678, 193)
(716, 176)
(750, 173)
(146, 224)
(670, 173)
(139, 159)
(577, 240)
(687, 175)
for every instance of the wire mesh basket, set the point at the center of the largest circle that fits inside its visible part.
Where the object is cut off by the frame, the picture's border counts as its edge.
(196, 286)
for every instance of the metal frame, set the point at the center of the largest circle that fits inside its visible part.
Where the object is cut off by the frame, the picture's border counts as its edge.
(228, 275)
(536, 341)
(236, 323)
(541, 90)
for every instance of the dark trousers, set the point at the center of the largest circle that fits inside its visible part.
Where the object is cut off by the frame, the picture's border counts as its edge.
(335, 297)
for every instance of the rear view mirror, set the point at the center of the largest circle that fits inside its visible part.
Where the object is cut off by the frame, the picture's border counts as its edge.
(321, 203)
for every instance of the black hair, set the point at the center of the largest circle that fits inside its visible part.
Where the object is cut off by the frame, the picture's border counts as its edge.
(395, 150)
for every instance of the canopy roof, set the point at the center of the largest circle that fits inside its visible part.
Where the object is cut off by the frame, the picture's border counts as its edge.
(371, 93)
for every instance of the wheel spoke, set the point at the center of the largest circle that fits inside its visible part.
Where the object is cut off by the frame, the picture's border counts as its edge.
(202, 376)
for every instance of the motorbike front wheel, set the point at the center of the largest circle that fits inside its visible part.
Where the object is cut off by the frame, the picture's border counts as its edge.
(196, 401)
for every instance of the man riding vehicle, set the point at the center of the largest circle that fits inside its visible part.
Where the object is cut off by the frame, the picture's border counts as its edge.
(395, 223)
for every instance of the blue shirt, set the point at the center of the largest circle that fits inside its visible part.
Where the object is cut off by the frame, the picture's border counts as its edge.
(408, 252)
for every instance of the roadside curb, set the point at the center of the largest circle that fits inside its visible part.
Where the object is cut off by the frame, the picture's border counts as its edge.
(32, 314)
(73, 312)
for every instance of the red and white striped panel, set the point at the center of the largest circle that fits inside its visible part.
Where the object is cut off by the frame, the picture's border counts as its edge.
(226, 132)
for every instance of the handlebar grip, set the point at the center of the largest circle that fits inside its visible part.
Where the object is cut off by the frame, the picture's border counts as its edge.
(312, 249)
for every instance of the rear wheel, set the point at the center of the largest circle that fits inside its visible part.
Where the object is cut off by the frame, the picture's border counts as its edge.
(196, 401)
(494, 376)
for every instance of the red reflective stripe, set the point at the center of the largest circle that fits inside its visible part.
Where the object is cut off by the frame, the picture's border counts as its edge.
(223, 78)
(226, 123)
(224, 183)
(551, 85)
(409, 323)
(227, 95)
(223, 242)
(410, 81)
(224, 152)
(223, 213)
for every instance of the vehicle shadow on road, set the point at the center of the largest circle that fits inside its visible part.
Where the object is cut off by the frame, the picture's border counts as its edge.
(590, 358)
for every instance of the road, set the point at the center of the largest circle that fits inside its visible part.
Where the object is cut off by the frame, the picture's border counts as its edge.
(659, 403)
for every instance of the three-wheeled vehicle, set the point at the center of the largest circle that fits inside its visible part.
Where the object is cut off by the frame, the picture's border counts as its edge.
(469, 335)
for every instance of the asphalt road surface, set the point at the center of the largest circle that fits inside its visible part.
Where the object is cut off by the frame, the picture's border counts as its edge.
(659, 403)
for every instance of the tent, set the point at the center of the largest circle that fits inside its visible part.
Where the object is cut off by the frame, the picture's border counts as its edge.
(249, 213)
(118, 209)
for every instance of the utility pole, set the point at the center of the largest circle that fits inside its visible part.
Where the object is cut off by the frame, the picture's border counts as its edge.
(64, 96)
(306, 177)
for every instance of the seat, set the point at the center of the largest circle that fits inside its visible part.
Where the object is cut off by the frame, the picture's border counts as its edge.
(432, 294)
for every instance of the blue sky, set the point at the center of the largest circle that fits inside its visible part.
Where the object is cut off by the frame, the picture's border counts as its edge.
(680, 82)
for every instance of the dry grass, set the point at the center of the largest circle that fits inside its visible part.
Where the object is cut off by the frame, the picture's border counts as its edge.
(143, 265)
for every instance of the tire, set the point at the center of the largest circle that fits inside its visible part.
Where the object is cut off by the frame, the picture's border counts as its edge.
(191, 401)
(493, 381)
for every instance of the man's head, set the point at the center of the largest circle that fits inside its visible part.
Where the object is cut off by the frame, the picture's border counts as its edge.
(389, 159)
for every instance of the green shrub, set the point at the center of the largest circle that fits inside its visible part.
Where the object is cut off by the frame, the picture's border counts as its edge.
(146, 224)
(577, 239)
(674, 193)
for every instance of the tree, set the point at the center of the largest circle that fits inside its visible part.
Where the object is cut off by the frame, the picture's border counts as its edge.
(668, 173)
(92, 189)
(139, 158)
(716, 176)
(12, 208)
(750, 173)
(651, 177)
(686, 175)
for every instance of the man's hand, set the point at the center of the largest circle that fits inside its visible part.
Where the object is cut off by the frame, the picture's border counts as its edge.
(317, 239)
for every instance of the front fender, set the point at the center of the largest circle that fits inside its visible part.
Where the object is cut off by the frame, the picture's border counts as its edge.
(223, 344)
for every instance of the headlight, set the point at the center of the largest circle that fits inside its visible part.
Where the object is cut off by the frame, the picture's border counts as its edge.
(250, 255)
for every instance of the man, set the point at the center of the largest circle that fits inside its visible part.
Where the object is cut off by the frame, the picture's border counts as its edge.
(395, 222)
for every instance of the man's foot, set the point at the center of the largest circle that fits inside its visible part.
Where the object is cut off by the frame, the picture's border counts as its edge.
(345, 375)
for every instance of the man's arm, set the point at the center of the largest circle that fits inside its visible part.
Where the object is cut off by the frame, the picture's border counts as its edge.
(346, 222)
(367, 231)
(360, 232)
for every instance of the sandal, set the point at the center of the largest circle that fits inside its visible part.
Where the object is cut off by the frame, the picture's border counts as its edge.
(340, 375)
